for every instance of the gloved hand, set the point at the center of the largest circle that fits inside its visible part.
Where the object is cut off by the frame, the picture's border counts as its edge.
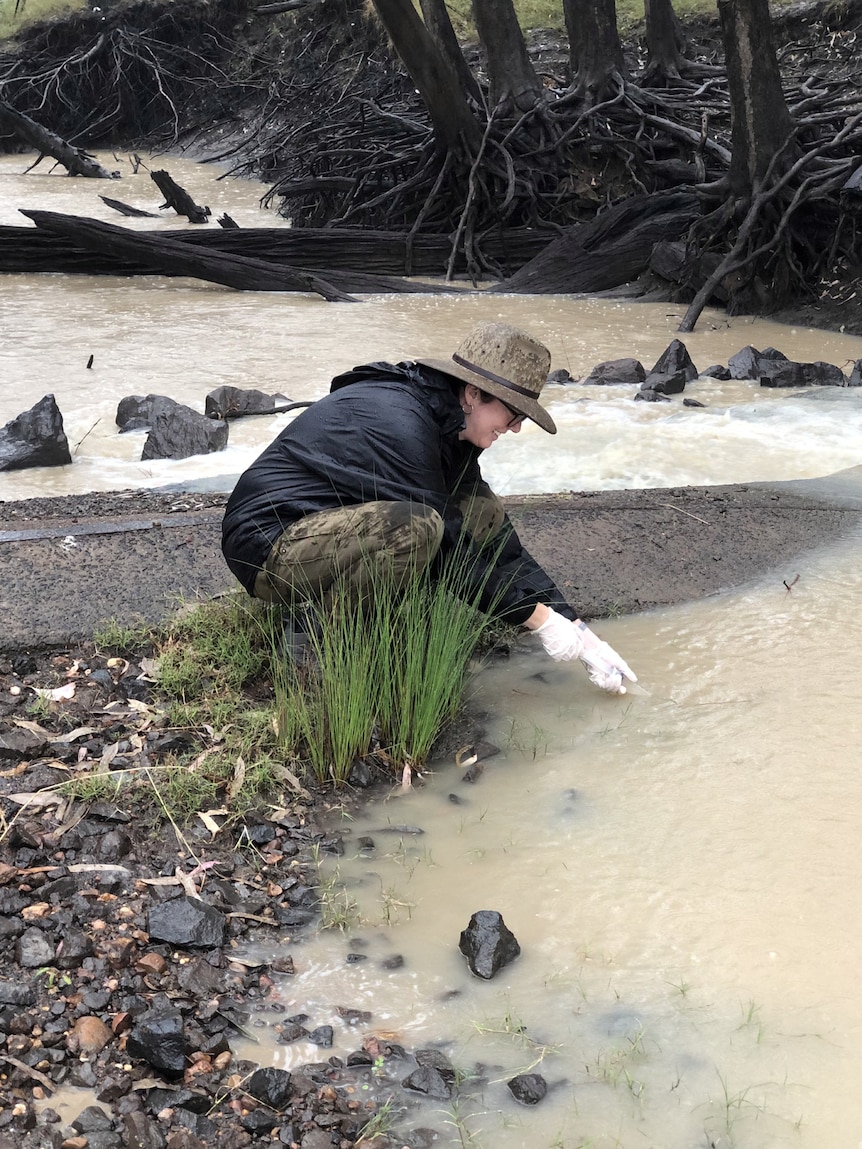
(565, 641)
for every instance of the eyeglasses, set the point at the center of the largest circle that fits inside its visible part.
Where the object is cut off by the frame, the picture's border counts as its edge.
(517, 418)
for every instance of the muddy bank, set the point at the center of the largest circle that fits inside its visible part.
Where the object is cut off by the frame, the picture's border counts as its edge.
(70, 564)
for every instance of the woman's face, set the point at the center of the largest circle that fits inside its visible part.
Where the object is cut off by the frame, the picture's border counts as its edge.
(487, 418)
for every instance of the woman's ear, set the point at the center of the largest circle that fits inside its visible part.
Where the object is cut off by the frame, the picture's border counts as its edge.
(471, 393)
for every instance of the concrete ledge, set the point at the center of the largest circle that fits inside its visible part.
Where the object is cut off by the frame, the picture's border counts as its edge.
(68, 565)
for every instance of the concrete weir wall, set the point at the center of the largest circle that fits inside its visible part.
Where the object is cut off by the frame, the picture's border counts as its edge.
(68, 565)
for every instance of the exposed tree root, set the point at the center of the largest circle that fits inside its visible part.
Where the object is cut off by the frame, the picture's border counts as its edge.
(330, 120)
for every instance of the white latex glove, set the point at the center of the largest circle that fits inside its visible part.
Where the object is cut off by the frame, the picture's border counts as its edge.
(565, 641)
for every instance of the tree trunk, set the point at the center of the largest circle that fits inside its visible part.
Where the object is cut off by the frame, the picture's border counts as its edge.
(431, 73)
(760, 120)
(514, 83)
(75, 160)
(664, 41)
(594, 47)
(436, 17)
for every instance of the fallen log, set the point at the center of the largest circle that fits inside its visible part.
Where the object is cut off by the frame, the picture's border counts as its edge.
(327, 250)
(178, 198)
(179, 259)
(75, 160)
(610, 250)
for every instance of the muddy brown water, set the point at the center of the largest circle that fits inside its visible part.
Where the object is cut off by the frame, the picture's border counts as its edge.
(681, 867)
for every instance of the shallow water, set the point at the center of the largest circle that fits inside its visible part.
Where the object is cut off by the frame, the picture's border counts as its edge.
(680, 867)
(681, 871)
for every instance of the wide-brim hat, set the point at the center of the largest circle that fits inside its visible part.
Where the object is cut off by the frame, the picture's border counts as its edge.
(507, 363)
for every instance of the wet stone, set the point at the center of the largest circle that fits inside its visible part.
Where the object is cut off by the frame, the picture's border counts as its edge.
(271, 1086)
(430, 1082)
(158, 1039)
(488, 944)
(91, 1119)
(322, 1036)
(13, 993)
(187, 922)
(528, 1088)
(140, 1132)
(33, 949)
(396, 961)
(72, 949)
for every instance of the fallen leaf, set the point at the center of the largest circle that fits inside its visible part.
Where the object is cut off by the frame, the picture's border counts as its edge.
(206, 816)
(74, 735)
(236, 782)
(58, 694)
(34, 728)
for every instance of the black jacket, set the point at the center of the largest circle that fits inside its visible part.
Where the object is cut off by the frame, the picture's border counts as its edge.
(383, 433)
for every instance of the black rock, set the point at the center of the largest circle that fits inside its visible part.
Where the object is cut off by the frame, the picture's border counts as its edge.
(749, 363)
(139, 412)
(91, 1120)
(692, 403)
(271, 1086)
(396, 961)
(140, 1132)
(528, 1088)
(187, 922)
(323, 1036)
(855, 379)
(717, 371)
(158, 1039)
(184, 433)
(616, 371)
(73, 947)
(16, 993)
(788, 374)
(33, 949)
(18, 744)
(234, 402)
(674, 358)
(429, 1082)
(665, 382)
(35, 438)
(560, 377)
(488, 944)
(648, 395)
(434, 1075)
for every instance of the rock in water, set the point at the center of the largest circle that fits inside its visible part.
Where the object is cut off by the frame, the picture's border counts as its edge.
(488, 944)
(528, 1088)
(35, 439)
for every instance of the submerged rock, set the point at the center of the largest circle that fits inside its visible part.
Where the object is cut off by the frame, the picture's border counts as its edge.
(488, 944)
(528, 1088)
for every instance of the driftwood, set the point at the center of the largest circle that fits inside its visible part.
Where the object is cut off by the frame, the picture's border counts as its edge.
(75, 160)
(178, 198)
(179, 259)
(126, 209)
(331, 252)
(613, 249)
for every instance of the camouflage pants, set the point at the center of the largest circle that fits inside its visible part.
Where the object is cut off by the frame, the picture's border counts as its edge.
(356, 545)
